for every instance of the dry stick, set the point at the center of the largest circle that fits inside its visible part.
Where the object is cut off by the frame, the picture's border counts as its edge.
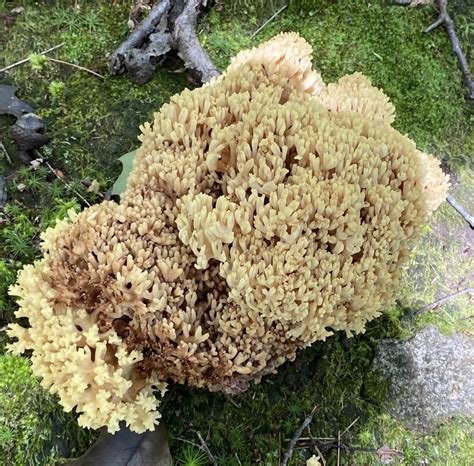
(6, 153)
(269, 20)
(238, 459)
(296, 436)
(315, 446)
(338, 450)
(205, 448)
(443, 300)
(25, 60)
(445, 20)
(461, 210)
(62, 62)
(349, 427)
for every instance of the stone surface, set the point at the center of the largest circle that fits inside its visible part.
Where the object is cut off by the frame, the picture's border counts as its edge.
(431, 376)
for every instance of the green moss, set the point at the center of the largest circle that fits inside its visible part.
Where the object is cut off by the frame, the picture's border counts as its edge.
(450, 443)
(33, 428)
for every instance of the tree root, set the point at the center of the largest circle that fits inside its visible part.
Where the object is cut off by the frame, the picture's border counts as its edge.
(170, 26)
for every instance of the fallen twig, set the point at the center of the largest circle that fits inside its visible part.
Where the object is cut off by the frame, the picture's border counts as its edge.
(26, 60)
(349, 427)
(79, 67)
(188, 45)
(7, 156)
(461, 210)
(269, 20)
(205, 448)
(315, 446)
(446, 20)
(338, 450)
(443, 300)
(448, 23)
(296, 436)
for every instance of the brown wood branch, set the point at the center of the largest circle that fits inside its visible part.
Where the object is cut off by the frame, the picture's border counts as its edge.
(206, 449)
(315, 446)
(445, 20)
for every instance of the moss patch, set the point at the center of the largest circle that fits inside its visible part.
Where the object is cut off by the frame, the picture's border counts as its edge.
(33, 428)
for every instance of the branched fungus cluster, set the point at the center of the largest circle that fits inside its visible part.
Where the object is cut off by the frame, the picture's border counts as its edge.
(264, 211)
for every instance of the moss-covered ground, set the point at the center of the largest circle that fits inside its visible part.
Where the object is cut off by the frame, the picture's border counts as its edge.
(95, 121)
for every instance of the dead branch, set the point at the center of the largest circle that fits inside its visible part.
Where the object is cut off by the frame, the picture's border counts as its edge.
(187, 44)
(55, 173)
(73, 65)
(205, 448)
(7, 156)
(446, 20)
(169, 26)
(443, 300)
(119, 59)
(315, 446)
(461, 210)
(296, 436)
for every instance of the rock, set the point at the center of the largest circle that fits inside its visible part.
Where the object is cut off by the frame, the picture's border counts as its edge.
(431, 376)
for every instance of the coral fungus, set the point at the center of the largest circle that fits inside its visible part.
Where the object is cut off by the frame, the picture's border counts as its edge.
(264, 211)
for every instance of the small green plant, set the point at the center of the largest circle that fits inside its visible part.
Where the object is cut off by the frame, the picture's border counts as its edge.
(37, 61)
(191, 456)
(16, 237)
(56, 88)
(34, 180)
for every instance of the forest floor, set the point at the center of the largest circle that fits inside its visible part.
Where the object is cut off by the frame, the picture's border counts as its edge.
(94, 121)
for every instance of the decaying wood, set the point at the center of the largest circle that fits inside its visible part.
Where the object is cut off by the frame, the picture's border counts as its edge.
(170, 26)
